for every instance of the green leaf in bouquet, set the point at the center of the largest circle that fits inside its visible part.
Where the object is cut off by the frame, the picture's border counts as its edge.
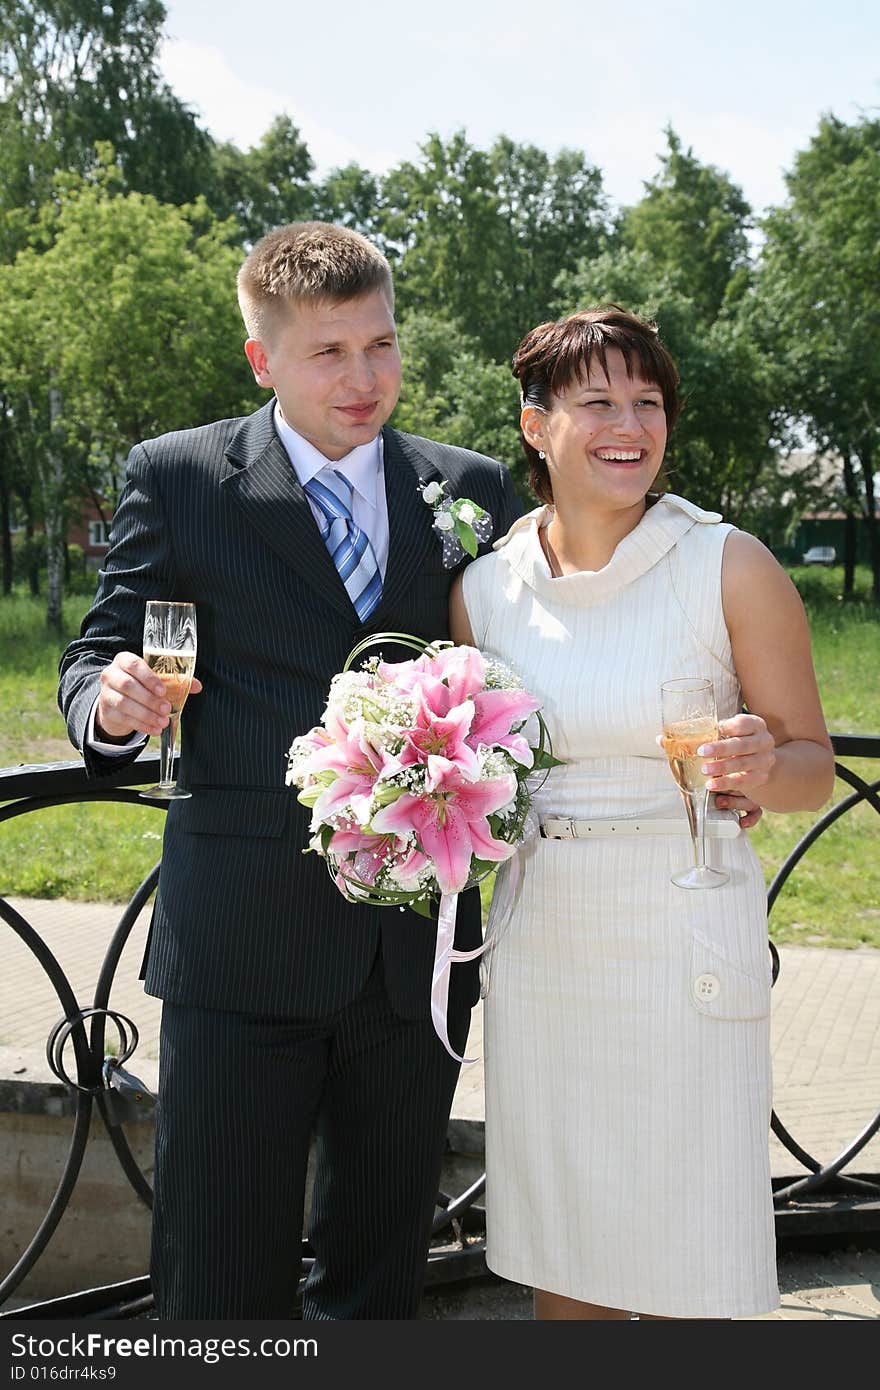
(322, 780)
(467, 537)
(544, 760)
(480, 868)
(422, 906)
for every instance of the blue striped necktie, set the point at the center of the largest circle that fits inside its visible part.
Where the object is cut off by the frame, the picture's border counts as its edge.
(349, 546)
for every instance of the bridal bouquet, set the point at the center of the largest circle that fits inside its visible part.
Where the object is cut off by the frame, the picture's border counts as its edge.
(417, 775)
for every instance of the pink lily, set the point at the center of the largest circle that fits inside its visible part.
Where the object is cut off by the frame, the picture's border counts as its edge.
(450, 823)
(367, 854)
(495, 711)
(456, 674)
(357, 765)
(441, 742)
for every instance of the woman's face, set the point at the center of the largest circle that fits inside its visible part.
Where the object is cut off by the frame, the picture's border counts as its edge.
(604, 437)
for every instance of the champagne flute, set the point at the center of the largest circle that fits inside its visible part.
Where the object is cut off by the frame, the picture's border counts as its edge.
(170, 652)
(689, 721)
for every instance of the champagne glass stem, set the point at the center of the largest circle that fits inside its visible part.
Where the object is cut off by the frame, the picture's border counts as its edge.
(167, 746)
(701, 803)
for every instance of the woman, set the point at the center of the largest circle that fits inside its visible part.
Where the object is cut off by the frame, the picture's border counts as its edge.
(627, 1027)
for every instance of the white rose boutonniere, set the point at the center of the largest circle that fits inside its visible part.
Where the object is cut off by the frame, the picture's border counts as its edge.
(461, 524)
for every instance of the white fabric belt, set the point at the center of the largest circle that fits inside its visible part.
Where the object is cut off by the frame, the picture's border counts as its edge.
(565, 828)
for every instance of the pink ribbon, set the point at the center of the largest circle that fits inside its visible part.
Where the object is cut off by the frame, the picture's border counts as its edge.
(445, 954)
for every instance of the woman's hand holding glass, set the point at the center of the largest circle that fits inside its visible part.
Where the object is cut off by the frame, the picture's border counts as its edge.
(741, 761)
(733, 762)
(690, 724)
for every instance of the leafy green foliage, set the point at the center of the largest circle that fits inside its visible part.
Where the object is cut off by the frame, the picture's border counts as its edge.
(266, 185)
(73, 72)
(818, 306)
(692, 224)
(722, 453)
(451, 393)
(127, 281)
(483, 232)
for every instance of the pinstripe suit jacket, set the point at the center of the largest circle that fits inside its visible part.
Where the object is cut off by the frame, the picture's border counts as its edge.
(215, 516)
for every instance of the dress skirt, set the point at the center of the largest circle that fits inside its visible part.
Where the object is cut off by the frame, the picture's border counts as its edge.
(627, 1081)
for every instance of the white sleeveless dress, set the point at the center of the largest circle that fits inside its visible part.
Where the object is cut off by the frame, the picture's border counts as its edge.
(627, 1022)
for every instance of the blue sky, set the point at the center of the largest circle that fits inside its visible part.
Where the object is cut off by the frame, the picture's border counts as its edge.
(744, 84)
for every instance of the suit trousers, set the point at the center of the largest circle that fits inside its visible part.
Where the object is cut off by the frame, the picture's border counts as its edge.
(239, 1098)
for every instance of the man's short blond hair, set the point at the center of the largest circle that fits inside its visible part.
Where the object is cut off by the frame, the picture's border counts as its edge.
(308, 262)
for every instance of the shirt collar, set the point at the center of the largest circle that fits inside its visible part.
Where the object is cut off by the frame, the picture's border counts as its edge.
(361, 467)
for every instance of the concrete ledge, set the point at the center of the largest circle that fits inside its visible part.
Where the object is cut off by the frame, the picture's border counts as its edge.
(104, 1235)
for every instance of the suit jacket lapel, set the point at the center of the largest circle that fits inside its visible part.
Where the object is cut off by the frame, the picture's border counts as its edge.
(410, 520)
(259, 476)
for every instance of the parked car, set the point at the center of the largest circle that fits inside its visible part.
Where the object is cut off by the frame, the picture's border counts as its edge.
(819, 555)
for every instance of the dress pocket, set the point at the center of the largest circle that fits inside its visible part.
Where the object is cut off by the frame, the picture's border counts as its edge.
(726, 989)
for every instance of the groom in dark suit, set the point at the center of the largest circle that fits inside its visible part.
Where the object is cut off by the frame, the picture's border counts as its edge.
(287, 1011)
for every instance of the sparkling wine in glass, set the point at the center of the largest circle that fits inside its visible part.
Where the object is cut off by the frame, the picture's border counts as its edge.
(689, 721)
(170, 652)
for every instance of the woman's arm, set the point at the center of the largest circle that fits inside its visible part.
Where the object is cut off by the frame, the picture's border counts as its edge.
(459, 623)
(779, 754)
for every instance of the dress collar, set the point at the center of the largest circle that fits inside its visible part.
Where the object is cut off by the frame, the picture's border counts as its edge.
(661, 527)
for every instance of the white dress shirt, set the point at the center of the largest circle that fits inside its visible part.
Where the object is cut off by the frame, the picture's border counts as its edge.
(364, 469)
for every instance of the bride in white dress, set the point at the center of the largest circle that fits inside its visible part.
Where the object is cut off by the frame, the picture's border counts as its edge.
(627, 1023)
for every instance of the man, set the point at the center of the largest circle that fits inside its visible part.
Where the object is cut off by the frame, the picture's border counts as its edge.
(286, 1009)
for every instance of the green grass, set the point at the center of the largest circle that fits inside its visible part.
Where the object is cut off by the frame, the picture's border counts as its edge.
(29, 717)
(833, 896)
(97, 853)
(103, 852)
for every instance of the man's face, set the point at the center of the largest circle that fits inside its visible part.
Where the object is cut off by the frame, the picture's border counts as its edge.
(335, 368)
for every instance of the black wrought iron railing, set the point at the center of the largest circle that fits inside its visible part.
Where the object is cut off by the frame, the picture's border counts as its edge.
(77, 1054)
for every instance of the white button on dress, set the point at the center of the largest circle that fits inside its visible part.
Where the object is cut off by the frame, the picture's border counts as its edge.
(707, 987)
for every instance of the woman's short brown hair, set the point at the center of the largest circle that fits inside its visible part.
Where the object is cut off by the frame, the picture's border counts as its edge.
(554, 355)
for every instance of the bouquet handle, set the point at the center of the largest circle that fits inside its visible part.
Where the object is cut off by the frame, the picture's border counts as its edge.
(445, 956)
(400, 639)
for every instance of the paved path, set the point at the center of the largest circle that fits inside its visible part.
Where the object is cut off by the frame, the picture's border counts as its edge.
(826, 1055)
(840, 1285)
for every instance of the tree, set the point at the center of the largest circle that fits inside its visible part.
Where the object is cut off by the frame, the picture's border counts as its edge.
(73, 72)
(483, 233)
(439, 217)
(818, 305)
(692, 224)
(452, 393)
(125, 328)
(680, 256)
(352, 196)
(266, 185)
(553, 213)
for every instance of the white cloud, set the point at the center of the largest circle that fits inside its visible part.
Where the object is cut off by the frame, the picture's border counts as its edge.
(753, 153)
(241, 111)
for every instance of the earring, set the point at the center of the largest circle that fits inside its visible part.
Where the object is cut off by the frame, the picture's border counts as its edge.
(541, 455)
